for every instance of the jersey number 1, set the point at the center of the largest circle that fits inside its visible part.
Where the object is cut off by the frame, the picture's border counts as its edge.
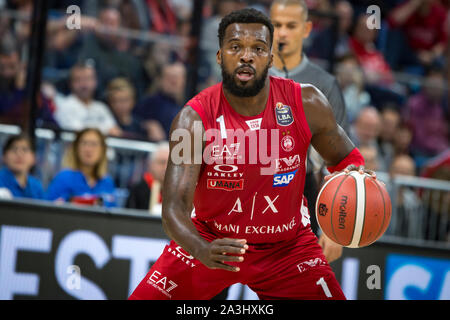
(322, 283)
(223, 130)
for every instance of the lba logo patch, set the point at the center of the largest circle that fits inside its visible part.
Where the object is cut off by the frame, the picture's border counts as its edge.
(283, 114)
(283, 179)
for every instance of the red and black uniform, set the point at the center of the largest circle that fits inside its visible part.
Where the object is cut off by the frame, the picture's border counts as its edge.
(250, 187)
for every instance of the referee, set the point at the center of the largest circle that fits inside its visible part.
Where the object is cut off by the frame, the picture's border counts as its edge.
(290, 20)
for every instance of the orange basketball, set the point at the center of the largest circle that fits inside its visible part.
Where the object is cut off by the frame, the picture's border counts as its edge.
(353, 209)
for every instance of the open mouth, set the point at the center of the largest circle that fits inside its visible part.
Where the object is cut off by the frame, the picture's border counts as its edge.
(245, 74)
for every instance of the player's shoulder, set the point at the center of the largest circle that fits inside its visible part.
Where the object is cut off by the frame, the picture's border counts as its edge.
(315, 104)
(212, 92)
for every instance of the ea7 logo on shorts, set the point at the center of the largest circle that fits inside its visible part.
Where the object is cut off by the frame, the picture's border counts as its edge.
(283, 179)
(311, 263)
(161, 283)
(283, 114)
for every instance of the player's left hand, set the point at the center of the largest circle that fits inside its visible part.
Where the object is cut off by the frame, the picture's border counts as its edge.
(352, 167)
(331, 250)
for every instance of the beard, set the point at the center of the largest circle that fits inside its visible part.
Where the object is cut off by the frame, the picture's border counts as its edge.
(236, 89)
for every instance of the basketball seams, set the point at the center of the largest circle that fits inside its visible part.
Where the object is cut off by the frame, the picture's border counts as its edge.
(356, 211)
(360, 209)
(365, 207)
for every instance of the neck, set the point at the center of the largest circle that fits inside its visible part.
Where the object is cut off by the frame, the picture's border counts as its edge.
(291, 61)
(124, 118)
(249, 106)
(21, 178)
(88, 172)
(85, 101)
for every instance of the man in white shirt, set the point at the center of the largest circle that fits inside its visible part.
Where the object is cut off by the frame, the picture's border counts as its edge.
(79, 110)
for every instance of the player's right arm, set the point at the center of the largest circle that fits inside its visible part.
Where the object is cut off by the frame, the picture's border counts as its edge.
(178, 195)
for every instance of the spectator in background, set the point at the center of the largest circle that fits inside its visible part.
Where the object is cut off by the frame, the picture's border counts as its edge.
(426, 113)
(366, 130)
(108, 51)
(367, 126)
(362, 42)
(390, 121)
(146, 194)
(158, 110)
(121, 98)
(19, 159)
(351, 80)
(409, 220)
(162, 16)
(85, 179)
(13, 92)
(402, 140)
(423, 26)
(322, 44)
(370, 155)
(80, 110)
(12, 77)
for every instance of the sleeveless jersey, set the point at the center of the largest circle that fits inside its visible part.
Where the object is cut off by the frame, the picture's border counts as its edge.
(253, 168)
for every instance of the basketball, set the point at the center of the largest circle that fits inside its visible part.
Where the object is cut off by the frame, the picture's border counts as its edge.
(353, 209)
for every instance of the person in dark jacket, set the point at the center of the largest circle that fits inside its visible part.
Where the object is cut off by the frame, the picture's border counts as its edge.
(146, 194)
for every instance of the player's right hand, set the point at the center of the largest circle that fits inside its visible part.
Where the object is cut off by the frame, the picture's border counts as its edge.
(216, 253)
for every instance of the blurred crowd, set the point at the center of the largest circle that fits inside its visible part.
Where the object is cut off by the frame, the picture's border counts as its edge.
(124, 71)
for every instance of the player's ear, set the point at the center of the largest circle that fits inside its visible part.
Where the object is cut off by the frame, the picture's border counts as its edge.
(307, 30)
(219, 57)
(271, 60)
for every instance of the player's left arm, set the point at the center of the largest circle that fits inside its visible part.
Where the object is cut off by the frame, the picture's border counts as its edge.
(333, 144)
(328, 138)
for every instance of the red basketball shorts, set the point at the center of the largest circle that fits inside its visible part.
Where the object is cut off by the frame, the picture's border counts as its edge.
(294, 269)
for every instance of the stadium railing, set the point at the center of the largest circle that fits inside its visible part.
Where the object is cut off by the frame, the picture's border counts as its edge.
(127, 159)
(420, 207)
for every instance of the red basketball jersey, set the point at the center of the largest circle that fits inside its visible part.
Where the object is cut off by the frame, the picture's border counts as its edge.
(253, 168)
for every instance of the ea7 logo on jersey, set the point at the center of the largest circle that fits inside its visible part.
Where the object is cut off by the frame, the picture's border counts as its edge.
(283, 179)
(283, 114)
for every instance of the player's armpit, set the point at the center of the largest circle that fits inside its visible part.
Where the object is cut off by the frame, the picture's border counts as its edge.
(181, 179)
(328, 138)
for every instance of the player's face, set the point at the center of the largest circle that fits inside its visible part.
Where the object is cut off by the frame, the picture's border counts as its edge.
(245, 58)
(290, 28)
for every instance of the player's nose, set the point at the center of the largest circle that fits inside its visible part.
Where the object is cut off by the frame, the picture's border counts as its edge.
(247, 56)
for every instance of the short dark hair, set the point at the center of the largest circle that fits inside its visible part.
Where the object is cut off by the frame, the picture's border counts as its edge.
(15, 138)
(247, 15)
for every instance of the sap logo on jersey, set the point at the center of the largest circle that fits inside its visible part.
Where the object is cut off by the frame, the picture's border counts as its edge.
(283, 179)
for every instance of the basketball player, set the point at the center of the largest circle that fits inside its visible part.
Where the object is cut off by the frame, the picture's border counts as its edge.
(229, 220)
